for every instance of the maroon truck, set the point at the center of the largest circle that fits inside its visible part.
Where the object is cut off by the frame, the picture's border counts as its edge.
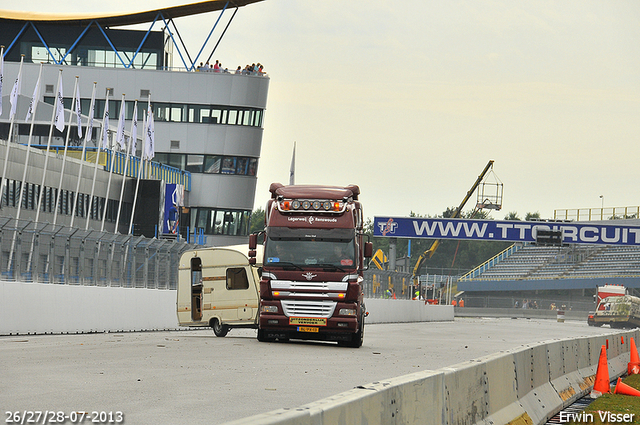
(314, 258)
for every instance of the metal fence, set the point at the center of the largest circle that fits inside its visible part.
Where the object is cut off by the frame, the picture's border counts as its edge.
(386, 284)
(44, 253)
(560, 302)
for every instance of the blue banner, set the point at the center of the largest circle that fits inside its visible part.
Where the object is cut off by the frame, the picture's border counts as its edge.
(503, 231)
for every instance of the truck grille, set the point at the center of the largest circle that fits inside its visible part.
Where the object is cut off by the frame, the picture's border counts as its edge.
(300, 308)
(325, 286)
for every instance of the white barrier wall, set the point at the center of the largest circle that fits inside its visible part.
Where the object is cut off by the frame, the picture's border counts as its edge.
(400, 311)
(49, 308)
(527, 385)
(37, 308)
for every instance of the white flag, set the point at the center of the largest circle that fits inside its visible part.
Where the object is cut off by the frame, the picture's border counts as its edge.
(134, 129)
(60, 107)
(149, 137)
(1, 75)
(78, 112)
(34, 98)
(120, 131)
(91, 112)
(105, 123)
(15, 91)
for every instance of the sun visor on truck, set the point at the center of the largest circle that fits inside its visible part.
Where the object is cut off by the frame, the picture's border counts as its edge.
(279, 233)
(314, 192)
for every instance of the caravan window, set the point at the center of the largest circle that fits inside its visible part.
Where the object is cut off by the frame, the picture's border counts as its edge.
(237, 278)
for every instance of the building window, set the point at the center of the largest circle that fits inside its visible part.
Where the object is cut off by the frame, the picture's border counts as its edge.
(204, 114)
(228, 165)
(195, 163)
(220, 222)
(210, 164)
(213, 164)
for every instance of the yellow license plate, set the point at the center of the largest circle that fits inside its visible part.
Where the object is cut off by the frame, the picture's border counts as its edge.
(307, 329)
(311, 321)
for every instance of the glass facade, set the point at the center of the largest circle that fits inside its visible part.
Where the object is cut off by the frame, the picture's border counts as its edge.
(174, 112)
(31, 195)
(210, 164)
(216, 221)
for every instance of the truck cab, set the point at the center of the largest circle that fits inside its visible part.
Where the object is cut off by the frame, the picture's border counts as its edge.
(313, 263)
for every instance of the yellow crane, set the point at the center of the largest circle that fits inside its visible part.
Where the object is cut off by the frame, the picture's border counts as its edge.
(491, 202)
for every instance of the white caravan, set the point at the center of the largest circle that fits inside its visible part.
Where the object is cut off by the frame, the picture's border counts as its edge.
(217, 287)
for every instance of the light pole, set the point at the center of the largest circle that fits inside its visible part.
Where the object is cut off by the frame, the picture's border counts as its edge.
(602, 208)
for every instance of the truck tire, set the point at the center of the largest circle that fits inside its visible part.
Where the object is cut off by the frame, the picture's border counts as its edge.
(357, 338)
(261, 337)
(218, 329)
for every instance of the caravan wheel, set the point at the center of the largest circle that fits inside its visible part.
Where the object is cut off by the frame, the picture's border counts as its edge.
(218, 329)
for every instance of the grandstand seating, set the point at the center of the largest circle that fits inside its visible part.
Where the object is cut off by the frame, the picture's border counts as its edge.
(567, 262)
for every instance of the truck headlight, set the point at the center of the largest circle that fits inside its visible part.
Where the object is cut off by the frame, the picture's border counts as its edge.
(269, 309)
(347, 312)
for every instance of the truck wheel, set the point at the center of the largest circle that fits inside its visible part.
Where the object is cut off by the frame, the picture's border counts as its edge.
(218, 329)
(357, 338)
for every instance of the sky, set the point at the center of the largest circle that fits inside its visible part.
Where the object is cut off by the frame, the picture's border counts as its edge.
(410, 100)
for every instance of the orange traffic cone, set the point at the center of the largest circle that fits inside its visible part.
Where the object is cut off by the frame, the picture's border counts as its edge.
(633, 368)
(622, 388)
(601, 385)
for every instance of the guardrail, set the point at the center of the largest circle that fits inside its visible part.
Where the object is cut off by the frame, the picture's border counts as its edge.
(527, 385)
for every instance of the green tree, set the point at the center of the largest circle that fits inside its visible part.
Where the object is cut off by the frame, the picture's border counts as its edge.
(529, 216)
(256, 222)
(513, 215)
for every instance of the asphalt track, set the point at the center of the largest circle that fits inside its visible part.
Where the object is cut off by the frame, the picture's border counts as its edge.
(191, 376)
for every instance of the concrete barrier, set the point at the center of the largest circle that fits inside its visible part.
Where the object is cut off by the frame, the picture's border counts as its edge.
(527, 385)
(37, 308)
(402, 311)
(534, 390)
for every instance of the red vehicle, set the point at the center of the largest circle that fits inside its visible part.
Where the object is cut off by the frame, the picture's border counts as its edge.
(314, 258)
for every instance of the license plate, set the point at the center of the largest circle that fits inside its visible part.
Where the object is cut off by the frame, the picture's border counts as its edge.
(307, 329)
(311, 321)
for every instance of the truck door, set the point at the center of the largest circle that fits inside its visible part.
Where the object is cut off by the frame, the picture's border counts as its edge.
(196, 289)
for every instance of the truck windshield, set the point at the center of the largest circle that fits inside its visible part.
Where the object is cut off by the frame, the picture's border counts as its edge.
(333, 248)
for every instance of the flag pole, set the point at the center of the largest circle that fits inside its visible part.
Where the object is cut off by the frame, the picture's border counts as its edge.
(12, 114)
(132, 146)
(31, 112)
(292, 169)
(114, 155)
(87, 137)
(46, 157)
(1, 74)
(101, 143)
(140, 165)
(66, 146)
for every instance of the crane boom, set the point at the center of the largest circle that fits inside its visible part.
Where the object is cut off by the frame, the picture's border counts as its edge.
(432, 249)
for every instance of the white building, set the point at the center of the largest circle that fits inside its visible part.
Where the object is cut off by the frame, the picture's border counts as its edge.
(208, 124)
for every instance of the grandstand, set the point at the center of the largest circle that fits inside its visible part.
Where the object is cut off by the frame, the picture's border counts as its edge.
(572, 269)
(574, 261)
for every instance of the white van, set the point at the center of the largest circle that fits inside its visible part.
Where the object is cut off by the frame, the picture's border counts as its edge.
(217, 287)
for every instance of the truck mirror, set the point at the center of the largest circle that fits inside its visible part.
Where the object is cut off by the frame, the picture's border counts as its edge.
(253, 243)
(368, 250)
